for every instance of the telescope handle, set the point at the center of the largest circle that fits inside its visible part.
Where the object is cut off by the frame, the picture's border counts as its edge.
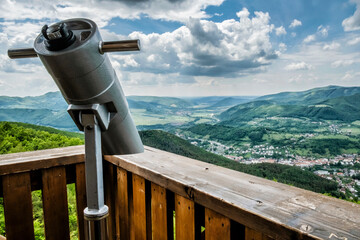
(21, 53)
(113, 46)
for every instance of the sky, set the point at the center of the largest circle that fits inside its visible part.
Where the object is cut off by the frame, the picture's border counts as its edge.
(198, 48)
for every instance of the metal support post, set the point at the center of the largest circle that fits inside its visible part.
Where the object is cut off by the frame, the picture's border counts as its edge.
(96, 212)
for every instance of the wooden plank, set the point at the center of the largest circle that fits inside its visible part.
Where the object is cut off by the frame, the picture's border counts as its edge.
(184, 218)
(28, 161)
(216, 226)
(139, 208)
(122, 206)
(251, 234)
(158, 212)
(55, 203)
(18, 206)
(277, 210)
(80, 185)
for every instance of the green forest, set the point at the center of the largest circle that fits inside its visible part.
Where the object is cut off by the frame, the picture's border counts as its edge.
(19, 137)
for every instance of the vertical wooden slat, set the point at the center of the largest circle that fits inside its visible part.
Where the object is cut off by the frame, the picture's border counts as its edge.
(55, 203)
(18, 206)
(216, 225)
(80, 185)
(158, 212)
(122, 206)
(184, 218)
(139, 208)
(110, 189)
(251, 234)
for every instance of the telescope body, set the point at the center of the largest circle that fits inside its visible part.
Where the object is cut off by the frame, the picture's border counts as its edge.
(85, 76)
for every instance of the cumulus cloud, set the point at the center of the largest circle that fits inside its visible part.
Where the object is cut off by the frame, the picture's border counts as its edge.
(280, 31)
(298, 66)
(352, 23)
(310, 38)
(102, 11)
(354, 41)
(321, 32)
(295, 23)
(205, 48)
(331, 46)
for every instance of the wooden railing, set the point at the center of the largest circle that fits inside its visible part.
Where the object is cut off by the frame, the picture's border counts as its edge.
(159, 195)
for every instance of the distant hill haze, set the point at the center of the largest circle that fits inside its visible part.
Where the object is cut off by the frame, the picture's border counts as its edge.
(327, 103)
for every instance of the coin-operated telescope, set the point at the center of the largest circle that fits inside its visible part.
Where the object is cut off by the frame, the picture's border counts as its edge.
(72, 51)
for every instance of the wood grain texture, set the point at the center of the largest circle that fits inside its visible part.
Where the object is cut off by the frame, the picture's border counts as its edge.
(139, 208)
(80, 185)
(184, 218)
(277, 210)
(18, 206)
(55, 203)
(158, 212)
(216, 226)
(122, 206)
(28, 161)
(251, 234)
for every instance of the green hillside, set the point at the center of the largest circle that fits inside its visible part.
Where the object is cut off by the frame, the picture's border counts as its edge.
(20, 137)
(345, 108)
(312, 96)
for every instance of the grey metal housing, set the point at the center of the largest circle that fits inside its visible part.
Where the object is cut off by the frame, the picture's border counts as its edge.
(85, 76)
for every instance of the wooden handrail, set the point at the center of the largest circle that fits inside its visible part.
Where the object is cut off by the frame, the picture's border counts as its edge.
(277, 210)
(144, 190)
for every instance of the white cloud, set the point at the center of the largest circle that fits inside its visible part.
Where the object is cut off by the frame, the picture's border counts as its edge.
(342, 63)
(102, 11)
(293, 34)
(295, 23)
(323, 31)
(280, 31)
(354, 41)
(352, 23)
(350, 75)
(205, 48)
(310, 38)
(282, 47)
(331, 46)
(298, 66)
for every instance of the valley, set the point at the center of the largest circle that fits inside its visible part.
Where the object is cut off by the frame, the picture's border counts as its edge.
(317, 130)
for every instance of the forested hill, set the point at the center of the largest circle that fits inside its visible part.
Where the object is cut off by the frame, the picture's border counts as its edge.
(17, 137)
(21, 137)
(344, 108)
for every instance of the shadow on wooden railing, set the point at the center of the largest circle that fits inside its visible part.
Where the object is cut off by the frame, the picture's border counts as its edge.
(160, 195)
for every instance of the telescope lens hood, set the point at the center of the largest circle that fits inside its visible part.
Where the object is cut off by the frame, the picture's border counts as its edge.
(57, 37)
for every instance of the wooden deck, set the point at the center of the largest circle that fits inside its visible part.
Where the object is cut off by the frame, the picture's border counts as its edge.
(144, 190)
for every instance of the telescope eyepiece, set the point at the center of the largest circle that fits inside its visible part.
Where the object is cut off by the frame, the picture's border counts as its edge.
(57, 36)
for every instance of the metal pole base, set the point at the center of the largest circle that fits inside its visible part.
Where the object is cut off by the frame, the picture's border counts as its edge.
(96, 220)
